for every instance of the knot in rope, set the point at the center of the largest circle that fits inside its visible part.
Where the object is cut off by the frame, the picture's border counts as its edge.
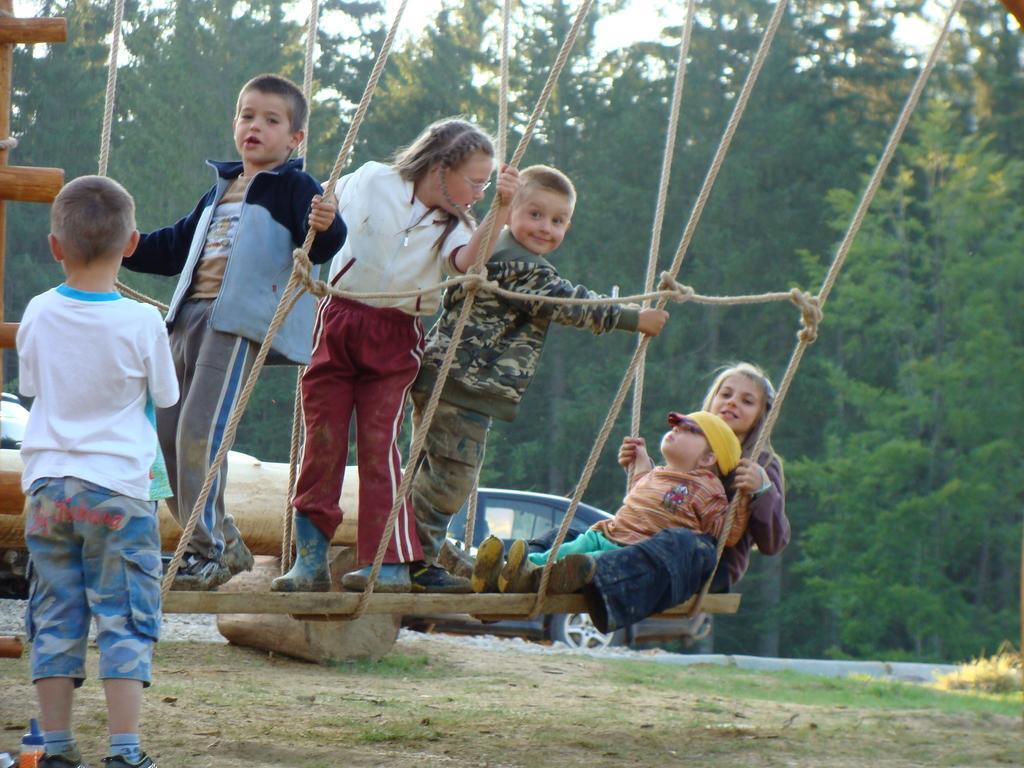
(304, 268)
(9, 143)
(680, 291)
(475, 279)
(810, 314)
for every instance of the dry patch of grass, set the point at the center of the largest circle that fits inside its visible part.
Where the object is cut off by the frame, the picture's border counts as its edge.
(435, 703)
(1002, 673)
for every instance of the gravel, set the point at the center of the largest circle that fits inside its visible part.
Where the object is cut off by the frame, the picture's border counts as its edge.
(198, 627)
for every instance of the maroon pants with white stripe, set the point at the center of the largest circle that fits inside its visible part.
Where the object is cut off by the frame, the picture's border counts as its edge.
(365, 359)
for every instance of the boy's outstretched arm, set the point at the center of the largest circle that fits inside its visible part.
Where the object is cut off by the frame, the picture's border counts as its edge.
(599, 318)
(165, 251)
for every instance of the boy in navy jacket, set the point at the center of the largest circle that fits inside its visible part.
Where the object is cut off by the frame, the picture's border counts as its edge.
(234, 257)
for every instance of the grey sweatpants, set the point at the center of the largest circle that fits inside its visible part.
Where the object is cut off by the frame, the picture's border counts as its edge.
(212, 369)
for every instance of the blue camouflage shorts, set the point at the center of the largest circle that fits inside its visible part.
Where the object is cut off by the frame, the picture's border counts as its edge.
(93, 553)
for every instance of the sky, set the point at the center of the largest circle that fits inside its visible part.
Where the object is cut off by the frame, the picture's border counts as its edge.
(641, 19)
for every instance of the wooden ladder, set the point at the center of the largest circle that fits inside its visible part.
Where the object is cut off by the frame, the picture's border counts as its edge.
(27, 185)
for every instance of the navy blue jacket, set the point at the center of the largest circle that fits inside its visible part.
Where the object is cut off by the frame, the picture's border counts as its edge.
(273, 221)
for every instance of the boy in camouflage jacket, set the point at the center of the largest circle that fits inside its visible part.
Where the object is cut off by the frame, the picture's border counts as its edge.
(500, 349)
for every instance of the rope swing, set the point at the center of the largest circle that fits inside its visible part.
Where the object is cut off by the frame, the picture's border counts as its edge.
(810, 306)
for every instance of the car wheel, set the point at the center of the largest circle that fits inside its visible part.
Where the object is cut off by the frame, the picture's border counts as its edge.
(577, 631)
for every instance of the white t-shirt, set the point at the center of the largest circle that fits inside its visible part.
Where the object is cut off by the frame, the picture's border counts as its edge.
(93, 361)
(391, 236)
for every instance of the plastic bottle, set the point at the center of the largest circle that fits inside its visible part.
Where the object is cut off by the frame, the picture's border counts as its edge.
(33, 746)
(5, 760)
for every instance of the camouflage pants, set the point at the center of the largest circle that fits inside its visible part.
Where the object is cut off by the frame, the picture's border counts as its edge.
(452, 457)
(93, 553)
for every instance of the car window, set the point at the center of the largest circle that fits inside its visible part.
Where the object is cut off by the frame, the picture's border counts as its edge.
(519, 518)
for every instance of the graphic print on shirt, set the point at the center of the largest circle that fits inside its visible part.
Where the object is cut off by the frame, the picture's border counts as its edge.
(676, 498)
(222, 231)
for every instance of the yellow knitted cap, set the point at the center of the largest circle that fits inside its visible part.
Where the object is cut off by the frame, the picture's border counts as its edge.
(720, 437)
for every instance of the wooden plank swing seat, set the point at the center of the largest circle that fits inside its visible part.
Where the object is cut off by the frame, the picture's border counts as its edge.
(340, 605)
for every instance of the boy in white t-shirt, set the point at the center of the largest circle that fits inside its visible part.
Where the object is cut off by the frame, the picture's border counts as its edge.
(96, 364)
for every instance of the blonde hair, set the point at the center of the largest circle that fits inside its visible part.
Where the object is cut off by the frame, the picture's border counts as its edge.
(545, 177)
(446, 143)
(275, 85)
(92, 217)
(760, 378)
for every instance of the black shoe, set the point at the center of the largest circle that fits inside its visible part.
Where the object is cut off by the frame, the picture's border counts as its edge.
(431, 578)
(120, 761)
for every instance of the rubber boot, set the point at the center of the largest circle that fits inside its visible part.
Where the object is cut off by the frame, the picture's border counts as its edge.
(310, 572)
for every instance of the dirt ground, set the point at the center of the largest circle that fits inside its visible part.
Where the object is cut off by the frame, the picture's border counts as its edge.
(432, 702)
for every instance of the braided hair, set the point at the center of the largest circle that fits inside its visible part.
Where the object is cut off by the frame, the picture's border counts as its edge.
(446, 143)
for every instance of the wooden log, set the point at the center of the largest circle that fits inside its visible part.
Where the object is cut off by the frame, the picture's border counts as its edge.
(11, 499)
(369, 637)
(8, 335)
(255, 496)
(29, 31)
(341, 603)
(30, 185)
(10, 647)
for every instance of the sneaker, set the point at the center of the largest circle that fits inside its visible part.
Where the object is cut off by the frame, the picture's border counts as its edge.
(489, 560)
(63, 760)
(393, 577)
(120, 761)
(572, 573)
(519, 574)
(237, 557)
(199, 574)
(433, 578)
(455, 560)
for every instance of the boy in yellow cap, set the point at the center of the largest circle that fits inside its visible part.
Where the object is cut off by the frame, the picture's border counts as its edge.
(686, 492)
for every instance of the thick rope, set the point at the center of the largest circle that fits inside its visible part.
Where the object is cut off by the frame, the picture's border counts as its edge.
(668, 290)
(108, 99)
(293, 290)
(641, 350)
(811, 306)
(107, 127)
(287, 521)
(659, 211)
(483, 254)
(6, 145)
(506, 14)
(307, 70)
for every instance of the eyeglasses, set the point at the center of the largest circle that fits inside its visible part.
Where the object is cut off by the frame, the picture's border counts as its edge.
(476, 186)
(684, 423)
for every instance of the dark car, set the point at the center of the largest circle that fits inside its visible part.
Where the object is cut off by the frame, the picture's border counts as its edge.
(512, 515)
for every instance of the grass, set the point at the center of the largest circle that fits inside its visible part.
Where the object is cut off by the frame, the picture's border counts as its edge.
(436, 704)
(810, 690)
